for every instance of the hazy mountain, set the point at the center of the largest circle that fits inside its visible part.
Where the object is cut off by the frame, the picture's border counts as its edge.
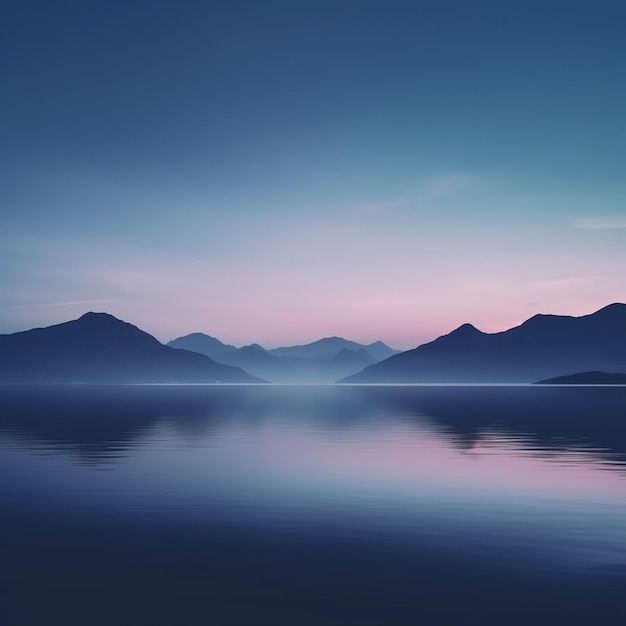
(330, 346)
(543, 347)
(324, 369)
(587, 378)
(380, 350)
(352, 357)
(98, 347)
(322, 361)
(260, 362)
(204, 344)
(347, 361)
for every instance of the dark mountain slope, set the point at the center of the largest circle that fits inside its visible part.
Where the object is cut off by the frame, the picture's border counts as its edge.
(542, 347)
(98, 347)
(587, 378)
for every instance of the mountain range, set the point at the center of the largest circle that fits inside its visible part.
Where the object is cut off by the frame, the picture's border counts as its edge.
(543, 347)
(322, 361)
(100, 348)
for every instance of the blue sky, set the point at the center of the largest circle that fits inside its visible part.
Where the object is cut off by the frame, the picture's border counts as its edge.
(281, 171)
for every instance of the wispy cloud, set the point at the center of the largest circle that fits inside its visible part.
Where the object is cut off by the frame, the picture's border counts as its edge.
(45, 305)
(566, 281)
(599, 223)
(446, 185)
(432, 190)
(383, 207)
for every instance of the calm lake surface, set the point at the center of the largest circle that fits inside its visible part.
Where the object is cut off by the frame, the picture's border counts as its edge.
(312, 505)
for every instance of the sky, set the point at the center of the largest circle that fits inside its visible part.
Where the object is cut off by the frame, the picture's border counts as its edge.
(277, 172)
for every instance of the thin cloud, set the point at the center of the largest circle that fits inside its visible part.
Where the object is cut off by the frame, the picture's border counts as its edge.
(383, 207)
(446, 185)
(430, 191)
(55, 304)
(599, 223)
(567, 281)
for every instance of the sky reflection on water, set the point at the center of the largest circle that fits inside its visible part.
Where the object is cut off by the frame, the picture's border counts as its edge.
(308, 505)
(460, 467)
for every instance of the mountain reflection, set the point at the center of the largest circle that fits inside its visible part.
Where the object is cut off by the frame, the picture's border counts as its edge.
(96, 425)
(99, 425)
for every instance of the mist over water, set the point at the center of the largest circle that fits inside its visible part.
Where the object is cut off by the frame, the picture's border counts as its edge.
(279, 505)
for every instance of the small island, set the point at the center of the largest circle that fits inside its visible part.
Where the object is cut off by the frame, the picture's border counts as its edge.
(587, 378)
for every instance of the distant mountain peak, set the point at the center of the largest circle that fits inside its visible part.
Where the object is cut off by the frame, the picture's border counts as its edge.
(199, 335)
(463, 332)
(333, 339)
(202, 343)
(541, 318)
(467, 329)
(92, 315)
(105, 321)
(615, 306)
(611, 310)
(254, 346)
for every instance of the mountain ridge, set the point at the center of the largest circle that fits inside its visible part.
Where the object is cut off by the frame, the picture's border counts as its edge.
(544, 346)
(202, 343)
(98, 347)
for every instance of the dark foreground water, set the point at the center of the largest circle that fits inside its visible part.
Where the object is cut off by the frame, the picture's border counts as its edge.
(312, 505)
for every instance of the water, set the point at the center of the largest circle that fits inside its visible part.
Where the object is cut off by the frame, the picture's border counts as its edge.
(312, 505)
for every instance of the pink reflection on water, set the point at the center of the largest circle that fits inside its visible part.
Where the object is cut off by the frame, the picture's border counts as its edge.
(402, 458)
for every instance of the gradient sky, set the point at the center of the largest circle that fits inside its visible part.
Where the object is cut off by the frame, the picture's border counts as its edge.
(281, 171)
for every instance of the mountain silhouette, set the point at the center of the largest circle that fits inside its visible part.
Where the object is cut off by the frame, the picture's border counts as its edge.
(587, 378)
(545, 346)
(98, 347)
